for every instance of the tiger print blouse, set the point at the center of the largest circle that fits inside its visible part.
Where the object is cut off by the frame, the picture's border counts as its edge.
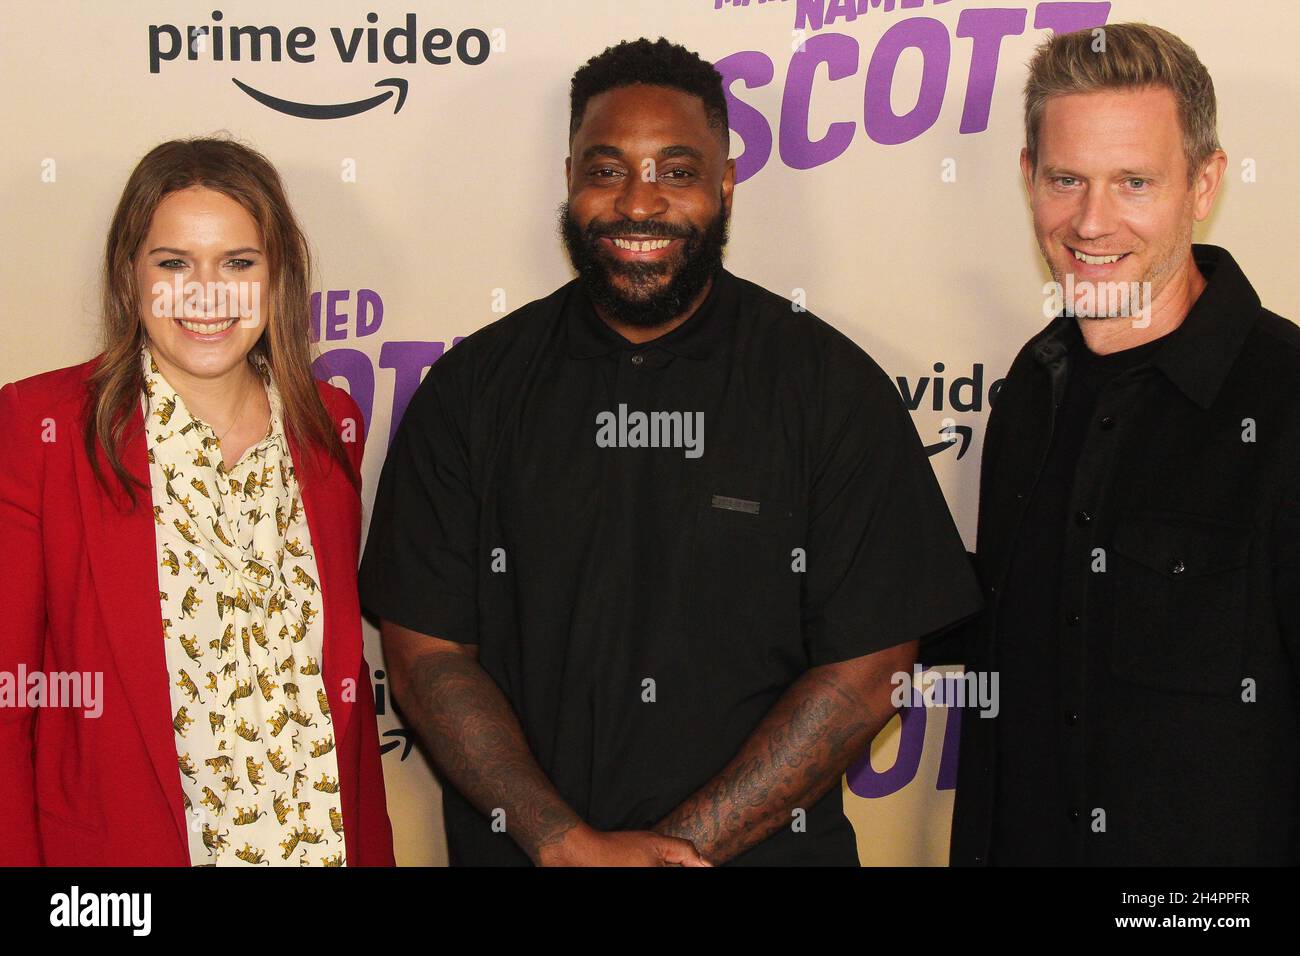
(242, 629)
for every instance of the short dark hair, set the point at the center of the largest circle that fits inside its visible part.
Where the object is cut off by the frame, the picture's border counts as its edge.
(659, 64)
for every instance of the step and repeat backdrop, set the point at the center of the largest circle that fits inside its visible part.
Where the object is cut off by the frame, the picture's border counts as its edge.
(423, 147)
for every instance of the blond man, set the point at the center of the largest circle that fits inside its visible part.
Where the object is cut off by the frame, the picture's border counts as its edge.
(1139, 505)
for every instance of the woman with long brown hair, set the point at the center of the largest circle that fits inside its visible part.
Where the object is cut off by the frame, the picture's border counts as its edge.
(180, 521)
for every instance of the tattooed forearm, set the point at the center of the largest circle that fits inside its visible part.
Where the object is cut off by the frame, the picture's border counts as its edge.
(793, 757)
(475, 739)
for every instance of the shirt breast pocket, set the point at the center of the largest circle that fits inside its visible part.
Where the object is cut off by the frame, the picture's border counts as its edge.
(1180, 603)
(744, 582)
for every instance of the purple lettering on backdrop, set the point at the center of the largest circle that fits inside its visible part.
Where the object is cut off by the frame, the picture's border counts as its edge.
(370, 314)
(987, 28)
(1066, 16)
(865, 781)
(754, 69)
(809, 14)
(840, 54)
(844, 10)
(369, 303)
(815, 14)
(931, 38)
(335, 322)
(408, 360)
(354, 366)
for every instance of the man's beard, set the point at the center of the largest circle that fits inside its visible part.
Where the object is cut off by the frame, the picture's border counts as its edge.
(648, 302)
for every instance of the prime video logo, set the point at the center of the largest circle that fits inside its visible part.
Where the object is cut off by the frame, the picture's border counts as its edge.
(75, 908)
(961, 393)
(410, 43)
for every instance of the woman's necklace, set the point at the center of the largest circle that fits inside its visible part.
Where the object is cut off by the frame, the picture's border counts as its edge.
(238, 415)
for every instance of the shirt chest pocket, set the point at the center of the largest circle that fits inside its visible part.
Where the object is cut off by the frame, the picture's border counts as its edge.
(744, 580)
(1180, 603)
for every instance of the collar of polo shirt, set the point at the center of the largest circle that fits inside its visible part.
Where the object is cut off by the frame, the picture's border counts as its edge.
(698, 337)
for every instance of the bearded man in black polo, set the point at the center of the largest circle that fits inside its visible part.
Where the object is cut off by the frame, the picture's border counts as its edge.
(650, 551)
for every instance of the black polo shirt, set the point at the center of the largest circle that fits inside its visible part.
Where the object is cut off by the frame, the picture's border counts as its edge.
(1146, 638)
(642, 608)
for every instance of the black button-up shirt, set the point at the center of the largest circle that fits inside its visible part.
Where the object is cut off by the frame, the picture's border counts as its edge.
(642, 608)
(1139, 543)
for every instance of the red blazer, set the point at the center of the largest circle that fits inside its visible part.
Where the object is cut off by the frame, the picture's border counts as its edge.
(79, 586)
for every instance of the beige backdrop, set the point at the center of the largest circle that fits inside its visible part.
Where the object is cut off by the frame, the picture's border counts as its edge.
(921, 251)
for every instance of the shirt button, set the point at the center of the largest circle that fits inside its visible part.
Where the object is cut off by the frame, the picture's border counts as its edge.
(638, 358)
(1083, 518)
(1107, 423)
(1176, 566)
(1071, 719)
(1072, 619)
